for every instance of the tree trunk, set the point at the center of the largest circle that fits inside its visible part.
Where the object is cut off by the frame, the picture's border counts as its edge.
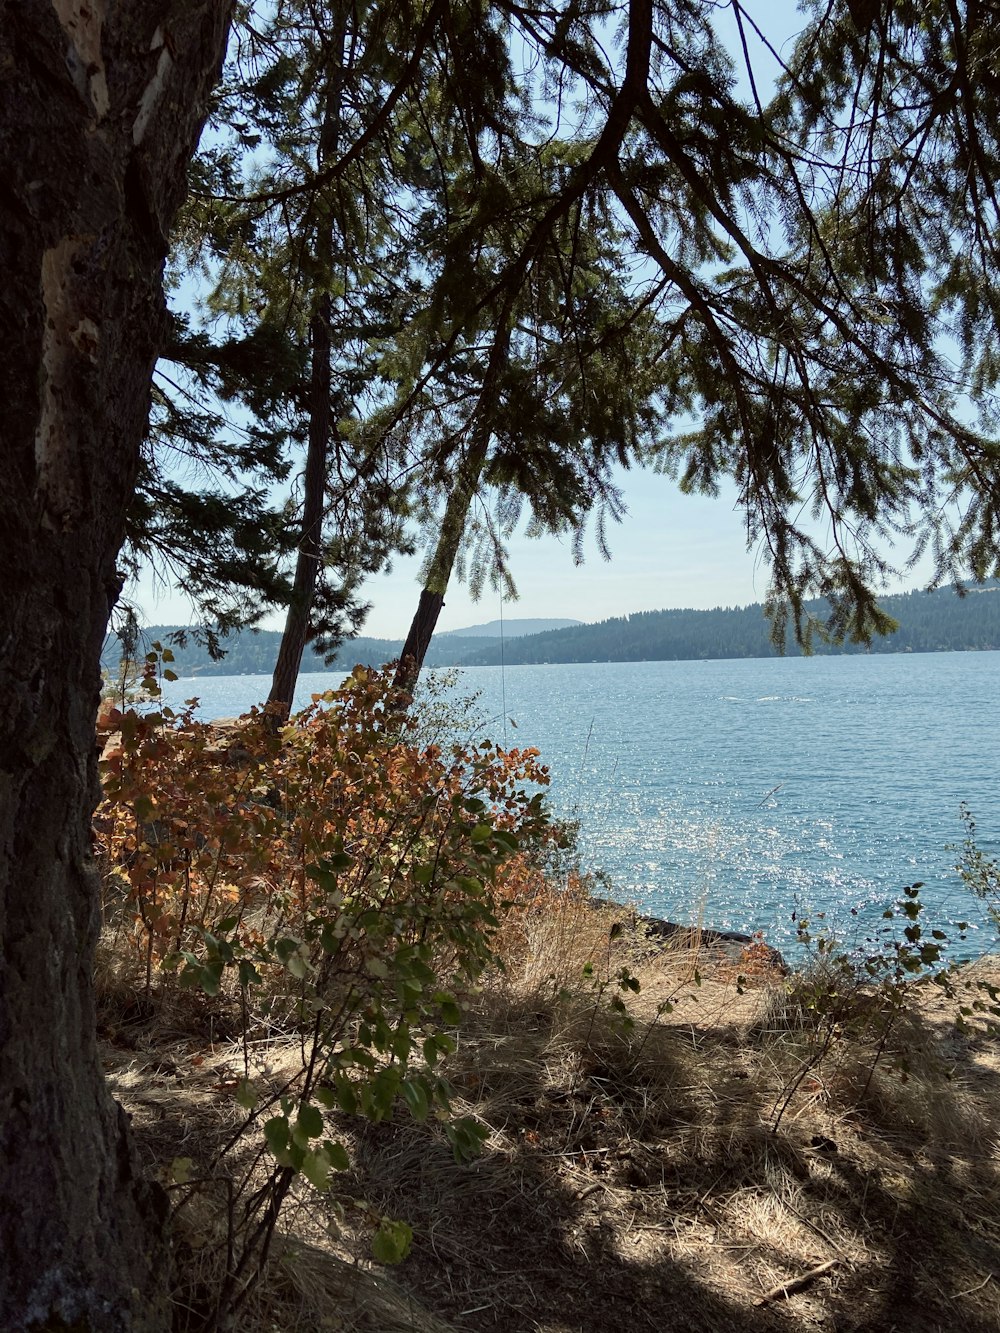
(309, 560)
(100, 107)
(424, 623)
(310, 553)
(468, 475)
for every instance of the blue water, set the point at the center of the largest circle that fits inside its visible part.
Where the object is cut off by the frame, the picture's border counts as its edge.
(739, 792)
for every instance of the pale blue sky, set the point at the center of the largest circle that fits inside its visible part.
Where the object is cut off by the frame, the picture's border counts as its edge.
(671, 550)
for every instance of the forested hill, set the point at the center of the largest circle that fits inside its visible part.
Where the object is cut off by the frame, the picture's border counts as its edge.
(928, 622)
(508, 629)
(254, 652)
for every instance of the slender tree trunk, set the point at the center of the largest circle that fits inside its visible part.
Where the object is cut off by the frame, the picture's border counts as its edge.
(470, 471)
(429, 607)
(309, 560)
(310, 553)
(100, 106)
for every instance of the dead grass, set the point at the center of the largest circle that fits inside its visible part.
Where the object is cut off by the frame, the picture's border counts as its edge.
(632, 1177)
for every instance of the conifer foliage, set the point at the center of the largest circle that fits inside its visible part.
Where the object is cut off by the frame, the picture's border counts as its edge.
(557, 239)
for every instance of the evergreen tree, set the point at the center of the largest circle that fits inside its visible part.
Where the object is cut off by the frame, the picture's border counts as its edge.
(796, 274)
(598, 253)
(100, 109)
(278, 282)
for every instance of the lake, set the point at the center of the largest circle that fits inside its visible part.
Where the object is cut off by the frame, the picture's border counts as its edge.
(738, 792)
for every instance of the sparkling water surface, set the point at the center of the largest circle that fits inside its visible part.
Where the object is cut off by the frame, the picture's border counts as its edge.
(738, 792)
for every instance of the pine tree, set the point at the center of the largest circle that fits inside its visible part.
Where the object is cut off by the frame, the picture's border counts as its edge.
(620, 259)
(100, 109)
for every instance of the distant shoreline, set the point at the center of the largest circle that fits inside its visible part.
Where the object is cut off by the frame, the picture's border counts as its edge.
(928, 622)
(347, 664)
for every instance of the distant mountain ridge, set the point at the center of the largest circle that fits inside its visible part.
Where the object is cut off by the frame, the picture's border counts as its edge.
(254, 652)
(928, 622)
(938, 621)
(509, 629)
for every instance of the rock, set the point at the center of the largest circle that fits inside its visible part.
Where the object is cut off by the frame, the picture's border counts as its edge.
(731, 943)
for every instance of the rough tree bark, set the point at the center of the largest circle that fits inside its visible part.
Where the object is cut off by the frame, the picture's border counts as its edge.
(309, 561)
(468, 474)
(432, 595)
(100, 106)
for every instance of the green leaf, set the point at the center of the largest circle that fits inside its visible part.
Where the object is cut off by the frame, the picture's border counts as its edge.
(245, 1095)
(326, 880)
(284, 947)
(311, 1120)
(415, 1095)
(276, 1134)
(143, 808)
(249, 976)
(326, 872)
(347, 1096)
(298, 966)
(338, 862)
(467, 1137)
(391, 1243)
(450, 1010)
(211, 977)
(180, 1170)
(337, 1155)
(316, 1168)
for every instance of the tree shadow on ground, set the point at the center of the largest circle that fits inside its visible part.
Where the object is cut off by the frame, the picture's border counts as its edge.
(657, 1195)
(634, 1179)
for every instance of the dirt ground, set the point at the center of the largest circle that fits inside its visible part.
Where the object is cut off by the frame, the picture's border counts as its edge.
(726, 1164)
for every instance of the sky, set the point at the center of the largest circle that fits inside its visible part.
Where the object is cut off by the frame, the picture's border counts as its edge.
(671, 550)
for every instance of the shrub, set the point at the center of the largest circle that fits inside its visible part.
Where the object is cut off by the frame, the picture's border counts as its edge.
(331, 869)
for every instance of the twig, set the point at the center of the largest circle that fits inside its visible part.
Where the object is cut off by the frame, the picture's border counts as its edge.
(591, 1189)
(971, 1290)
(797, 1283)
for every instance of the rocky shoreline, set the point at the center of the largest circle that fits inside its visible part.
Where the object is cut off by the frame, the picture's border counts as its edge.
(657, 932)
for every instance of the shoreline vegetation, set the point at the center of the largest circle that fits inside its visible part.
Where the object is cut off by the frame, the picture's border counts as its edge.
(397, 1067)
(938, 621)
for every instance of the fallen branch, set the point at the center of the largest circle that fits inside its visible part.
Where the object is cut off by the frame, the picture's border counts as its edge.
(797, 1283)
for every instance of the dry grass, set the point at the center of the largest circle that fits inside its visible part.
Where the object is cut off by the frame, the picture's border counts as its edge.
(632, 1177)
